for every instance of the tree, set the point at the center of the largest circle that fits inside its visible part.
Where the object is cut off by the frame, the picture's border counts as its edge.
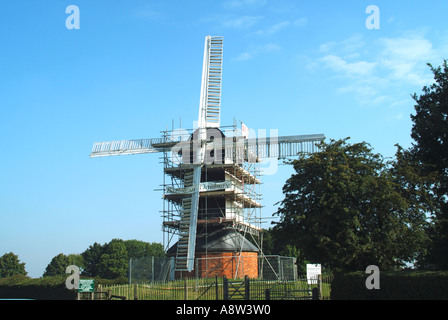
(59, 264)
(114, 260)
(138, 249)
(430, 152)
(111, 260)
(343, 208)
(91, 258)
(10, 265)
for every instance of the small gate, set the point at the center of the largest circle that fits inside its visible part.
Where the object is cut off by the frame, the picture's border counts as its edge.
(236, 289)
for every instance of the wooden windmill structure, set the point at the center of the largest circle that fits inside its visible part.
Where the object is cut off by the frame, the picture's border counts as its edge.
(211, 174)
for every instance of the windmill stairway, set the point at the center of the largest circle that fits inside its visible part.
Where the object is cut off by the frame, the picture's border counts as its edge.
(188, 222)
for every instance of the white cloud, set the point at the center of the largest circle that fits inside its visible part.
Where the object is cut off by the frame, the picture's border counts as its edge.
(252, 51)
(405, 58)
(351, 69)
(244, 56)
(379, 71)
(241, 22)
(243, 3)
(280, 26)
(147, 13)
(273, 29)
(300, 22)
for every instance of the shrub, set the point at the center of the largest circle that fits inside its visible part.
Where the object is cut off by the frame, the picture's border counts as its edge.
(397, 285)
(47, 288)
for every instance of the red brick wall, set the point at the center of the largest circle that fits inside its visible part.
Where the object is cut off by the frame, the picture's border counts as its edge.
(225, 264)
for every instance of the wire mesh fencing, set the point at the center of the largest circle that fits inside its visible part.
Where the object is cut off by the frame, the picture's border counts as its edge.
(156, 269)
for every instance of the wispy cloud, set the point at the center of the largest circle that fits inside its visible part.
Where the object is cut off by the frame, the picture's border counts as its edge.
(369, 70)
(244, 3)
(147, 13)
(273, 29)
(232, 21)
(350, 69)
(405, 58)
(241, 22)
(252, 51)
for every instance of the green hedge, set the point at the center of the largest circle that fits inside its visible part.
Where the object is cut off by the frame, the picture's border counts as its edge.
(399, 285)
(48, 288)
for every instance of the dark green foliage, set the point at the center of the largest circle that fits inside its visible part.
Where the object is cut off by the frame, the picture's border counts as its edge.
(399, 285)
(430, 153)
(107, 261)
(111, 260)
(345, 208)
(114, 260)
(57, 266)
(48, 288)
(10, 265)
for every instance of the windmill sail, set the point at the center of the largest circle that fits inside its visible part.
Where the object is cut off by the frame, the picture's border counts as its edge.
(209, 116)
(280, 147)
(210, 102)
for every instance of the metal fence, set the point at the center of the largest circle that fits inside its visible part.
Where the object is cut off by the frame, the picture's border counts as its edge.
(219, 289)
(277, 268)
(155, 269)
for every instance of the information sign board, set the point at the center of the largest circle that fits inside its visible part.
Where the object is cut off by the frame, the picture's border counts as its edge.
(86, 285)
(312, 272)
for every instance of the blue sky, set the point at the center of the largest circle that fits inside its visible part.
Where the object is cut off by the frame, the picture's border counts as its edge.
(134, 67)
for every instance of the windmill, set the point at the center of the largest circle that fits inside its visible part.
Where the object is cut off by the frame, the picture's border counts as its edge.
(208, 173)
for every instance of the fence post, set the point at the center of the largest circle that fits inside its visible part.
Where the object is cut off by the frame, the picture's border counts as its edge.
(319, 284)
(185, 287)
(267, 294)
(216, 288)
(225, 287)
(152, 269)
(135, 292)
(246, 287)
(130, 270)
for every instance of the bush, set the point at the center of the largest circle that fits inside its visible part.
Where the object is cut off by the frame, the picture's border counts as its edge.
(47, 288)
(398, 285)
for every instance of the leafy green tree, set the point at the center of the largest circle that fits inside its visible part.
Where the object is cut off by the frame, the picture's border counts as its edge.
(114, 260)
(111, 260)
(77, 260)
(343, 208)
(430, 152)
(138, 249)
(10, 265)
(57, 266)
(91, 257)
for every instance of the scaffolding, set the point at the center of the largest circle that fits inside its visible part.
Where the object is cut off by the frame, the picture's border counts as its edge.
(229, 191)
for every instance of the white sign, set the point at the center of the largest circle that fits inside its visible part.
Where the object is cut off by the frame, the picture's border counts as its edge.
(203, 186)
(312, 272)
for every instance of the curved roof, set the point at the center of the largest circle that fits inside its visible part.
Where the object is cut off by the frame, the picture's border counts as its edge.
(222, 240)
